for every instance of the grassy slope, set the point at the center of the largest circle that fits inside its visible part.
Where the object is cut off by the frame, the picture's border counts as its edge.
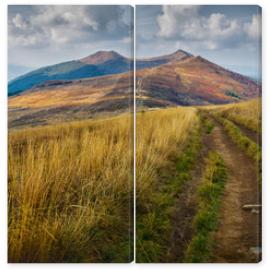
(69, 192)
(246, 113)
(162, 140)
(195, 81)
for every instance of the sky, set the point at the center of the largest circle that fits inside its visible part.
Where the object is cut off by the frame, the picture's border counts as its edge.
(48, 34)
(44, 34)
(227, 35)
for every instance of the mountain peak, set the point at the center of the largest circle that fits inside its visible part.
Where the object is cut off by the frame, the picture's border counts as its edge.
(178, 55)
(182, 51)
(101, 57)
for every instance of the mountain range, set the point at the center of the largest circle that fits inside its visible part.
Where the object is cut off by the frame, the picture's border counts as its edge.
(98, 64)
(103, 83)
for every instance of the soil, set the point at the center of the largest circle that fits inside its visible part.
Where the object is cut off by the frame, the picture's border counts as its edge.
(238, 237)
(239, 230)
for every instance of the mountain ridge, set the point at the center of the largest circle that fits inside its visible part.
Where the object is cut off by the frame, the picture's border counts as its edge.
(98, 64)
(177, 79)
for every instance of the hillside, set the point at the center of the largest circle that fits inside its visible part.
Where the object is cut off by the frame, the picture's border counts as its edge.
(58, 101)
(170, 80)
(98, 64)
(192, 81)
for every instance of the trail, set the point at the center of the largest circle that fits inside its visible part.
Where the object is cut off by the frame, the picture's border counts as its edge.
(239, 231)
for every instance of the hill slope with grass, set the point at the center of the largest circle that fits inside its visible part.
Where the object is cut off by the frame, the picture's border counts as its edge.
(98, 64)
(193, 81)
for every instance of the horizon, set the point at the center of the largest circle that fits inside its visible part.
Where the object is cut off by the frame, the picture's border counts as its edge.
(37, 40)
(29, 70)
(43, 35)
(229, 35)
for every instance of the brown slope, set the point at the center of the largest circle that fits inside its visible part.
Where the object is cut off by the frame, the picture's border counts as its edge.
(175, 56)
(58, 101)
(195, 81)
(101, 57)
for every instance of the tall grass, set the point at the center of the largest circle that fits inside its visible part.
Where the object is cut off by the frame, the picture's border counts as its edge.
(70, 191)
(162, 138)
(251, 149)
(246, 113)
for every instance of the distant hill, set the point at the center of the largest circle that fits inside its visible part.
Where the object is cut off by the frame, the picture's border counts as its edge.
(171, 80)
(98, 64)
(109, 63)
(59, 101)
(193, 81)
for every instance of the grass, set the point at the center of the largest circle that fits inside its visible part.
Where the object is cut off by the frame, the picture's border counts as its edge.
(252, 149)
(246, 113)
(70, 192)
(167, 144)
(207, 123)
(207, 217)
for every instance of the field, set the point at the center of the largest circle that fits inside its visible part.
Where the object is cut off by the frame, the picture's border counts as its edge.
(200, 168)
(70, 192)
(161, 135)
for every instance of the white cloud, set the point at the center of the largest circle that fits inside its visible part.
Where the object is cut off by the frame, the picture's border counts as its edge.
(253, 28)
(19, 22)
(212, 32)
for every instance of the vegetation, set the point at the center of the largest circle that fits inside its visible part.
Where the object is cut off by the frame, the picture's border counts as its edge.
(207, 123)
(246, 113)
(166, 152)
(70, 189)
(207, 217)
(252, 149)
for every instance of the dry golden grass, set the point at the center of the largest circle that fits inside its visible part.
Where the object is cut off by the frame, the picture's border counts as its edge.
(79, 92)
(162, 136)
(70, 190)
(246, 113)
(159, 135)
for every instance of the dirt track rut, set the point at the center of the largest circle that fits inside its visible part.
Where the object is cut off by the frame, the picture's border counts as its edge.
(238, 232)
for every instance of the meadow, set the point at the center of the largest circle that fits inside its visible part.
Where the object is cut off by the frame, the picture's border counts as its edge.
(247, 113)
(70, 190)
(162, 136)
(185, 156)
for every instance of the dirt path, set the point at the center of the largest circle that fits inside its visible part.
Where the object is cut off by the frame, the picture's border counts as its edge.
(238, 233)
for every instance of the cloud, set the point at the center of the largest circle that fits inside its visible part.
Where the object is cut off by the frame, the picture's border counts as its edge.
(43, 26)
(253, 28)
(214, 31)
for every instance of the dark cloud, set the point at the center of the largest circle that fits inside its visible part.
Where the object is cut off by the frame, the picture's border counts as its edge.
(41, 35)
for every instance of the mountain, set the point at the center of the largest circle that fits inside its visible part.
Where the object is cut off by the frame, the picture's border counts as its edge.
(171, 80)
(160, 60)
(192, 81)
(98, 64)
